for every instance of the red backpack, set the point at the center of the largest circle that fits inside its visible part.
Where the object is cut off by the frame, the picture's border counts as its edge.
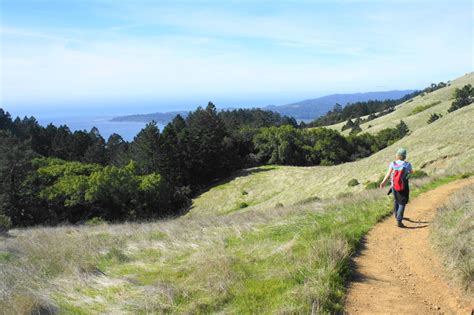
(399, 177)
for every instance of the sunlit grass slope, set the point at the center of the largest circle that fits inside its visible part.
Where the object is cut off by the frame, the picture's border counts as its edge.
(446, 144)
(261, 242)
(435, 102)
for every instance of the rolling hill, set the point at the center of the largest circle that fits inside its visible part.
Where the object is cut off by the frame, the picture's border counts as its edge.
(272, 239)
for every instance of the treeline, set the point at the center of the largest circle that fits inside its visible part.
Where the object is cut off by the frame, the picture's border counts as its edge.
(51, 175)
(287, 145)
(356, 110)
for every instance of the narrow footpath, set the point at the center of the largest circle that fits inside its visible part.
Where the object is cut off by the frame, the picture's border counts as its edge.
(397, 271)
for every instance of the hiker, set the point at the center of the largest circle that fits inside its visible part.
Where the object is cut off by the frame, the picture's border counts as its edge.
(399, 172)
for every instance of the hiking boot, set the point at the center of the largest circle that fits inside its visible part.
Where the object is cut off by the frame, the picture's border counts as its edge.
(400, 224)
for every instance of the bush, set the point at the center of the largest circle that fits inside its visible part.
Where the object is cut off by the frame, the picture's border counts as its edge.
(244, 192)
(279, 205)
(353, 182)
(462, 97)
(418, 174)
(434, 117)
(242, 205)
(5, 223)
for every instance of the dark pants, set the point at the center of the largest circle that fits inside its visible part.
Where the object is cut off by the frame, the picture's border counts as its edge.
(398, 210)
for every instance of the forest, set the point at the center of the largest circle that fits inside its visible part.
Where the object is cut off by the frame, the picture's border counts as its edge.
(51, 175)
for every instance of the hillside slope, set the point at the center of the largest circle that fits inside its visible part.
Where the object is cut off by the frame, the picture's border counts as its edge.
(438, 102)
(443, 146)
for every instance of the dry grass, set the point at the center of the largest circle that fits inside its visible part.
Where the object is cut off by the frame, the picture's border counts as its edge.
(453, 235)
(154, 266)
(442, 98)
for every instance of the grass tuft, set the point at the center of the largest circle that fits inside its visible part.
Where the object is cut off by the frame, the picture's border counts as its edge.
(453, 235)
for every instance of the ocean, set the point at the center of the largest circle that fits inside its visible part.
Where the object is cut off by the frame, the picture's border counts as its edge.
(128, 130)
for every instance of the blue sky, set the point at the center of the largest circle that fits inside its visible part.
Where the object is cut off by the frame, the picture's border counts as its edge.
(227, 51)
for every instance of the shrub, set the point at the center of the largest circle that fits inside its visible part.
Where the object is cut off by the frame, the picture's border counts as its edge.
(434, 117)
(244, 192)
(279, 205)
(418, 174)
(353, 182)
(462, 97)
(242, 205)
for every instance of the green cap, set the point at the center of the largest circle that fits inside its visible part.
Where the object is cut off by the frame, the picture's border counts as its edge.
(402, 152)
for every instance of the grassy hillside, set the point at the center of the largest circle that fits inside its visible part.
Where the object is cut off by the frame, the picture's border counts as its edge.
(435, 102)
(273, 246)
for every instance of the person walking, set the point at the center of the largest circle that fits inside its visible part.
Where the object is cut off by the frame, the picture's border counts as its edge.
(399, 171)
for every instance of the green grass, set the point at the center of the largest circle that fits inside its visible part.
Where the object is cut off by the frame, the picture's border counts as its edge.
(421, 108)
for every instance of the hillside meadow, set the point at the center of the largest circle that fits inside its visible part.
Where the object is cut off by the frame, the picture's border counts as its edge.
(416, 111)
(271, 239)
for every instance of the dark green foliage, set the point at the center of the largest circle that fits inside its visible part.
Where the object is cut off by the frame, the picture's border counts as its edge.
(348, 125)
(434, 117)
(402, 129)
(355, 130)
(434, 87)
(145, 149)
(75, 191)
(289, 146)
(242, 205)
(353, 182)
(15, 166)
(117, 150)
(462, 97)
(212, 152)
(236, 119)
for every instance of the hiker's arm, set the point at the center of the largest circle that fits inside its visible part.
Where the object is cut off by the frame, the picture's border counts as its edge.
(387, 176)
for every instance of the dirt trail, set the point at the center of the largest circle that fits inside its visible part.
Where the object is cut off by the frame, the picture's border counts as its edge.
(397, 271)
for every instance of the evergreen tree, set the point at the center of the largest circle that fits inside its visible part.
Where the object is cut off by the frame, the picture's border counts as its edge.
(402, 128)
(117, 150)
(145, 149)
(463, 97)
(206, 145)
(174, 157)
(96, 152)
(434, 117)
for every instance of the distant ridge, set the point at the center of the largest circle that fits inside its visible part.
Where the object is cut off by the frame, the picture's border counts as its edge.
(304, 110)
(313, 108)
(157, 117)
